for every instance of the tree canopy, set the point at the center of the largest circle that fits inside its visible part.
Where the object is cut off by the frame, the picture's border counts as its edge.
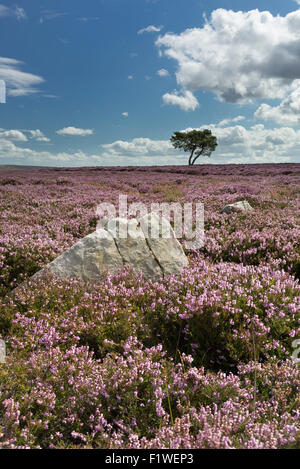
(197, 142)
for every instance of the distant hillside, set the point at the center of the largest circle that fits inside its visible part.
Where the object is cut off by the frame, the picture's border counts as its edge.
(17, 166)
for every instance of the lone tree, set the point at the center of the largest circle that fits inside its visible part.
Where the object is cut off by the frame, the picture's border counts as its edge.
(198, 142)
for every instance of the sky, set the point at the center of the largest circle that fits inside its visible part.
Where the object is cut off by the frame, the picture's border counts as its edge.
(107, 82)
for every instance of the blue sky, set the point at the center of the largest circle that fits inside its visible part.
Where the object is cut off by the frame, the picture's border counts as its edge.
(107, 82)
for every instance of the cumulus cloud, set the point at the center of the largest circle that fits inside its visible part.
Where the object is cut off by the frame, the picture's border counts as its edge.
(20, 135)
(18, 83)
(38, 136)
(163, 72)
(186, 101)
(15, 135)
(125, 114)
(10, 152)
(233, 120)
(75, 131)
(237, 144)
(138, 147)
(150, 29)
(238, 55)
(287, 112)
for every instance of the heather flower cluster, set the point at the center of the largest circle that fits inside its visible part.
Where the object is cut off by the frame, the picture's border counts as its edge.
(201, 360)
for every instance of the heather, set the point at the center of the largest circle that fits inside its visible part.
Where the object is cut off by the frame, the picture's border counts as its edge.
(202, 360)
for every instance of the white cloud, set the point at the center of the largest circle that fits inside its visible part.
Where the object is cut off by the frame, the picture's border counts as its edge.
(163, 72)
(4, 11)
(236, 145)
(48, 15)
(64, 40)
(75, 131)
(38, 135)
(15, 135)
(11, 152)
(150, 29)
(2, 92)
(20, 135)
(86, 19)
(138, 147)
(287, 112)
(233, 120)
(17, 12)
(20, 13)
(50, 96)
(125, 114)
(186, 101)
(18, 83)
(238, 55)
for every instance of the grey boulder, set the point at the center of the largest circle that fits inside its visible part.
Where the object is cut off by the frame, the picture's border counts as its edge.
(241, 206)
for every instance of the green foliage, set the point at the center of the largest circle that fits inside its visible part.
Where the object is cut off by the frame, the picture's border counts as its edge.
(215, 329)
(198, 142)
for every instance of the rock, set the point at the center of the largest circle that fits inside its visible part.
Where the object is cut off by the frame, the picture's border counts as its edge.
(163, 244)
(134, 249)
(122, 242)
(87, 259)
(241, 206)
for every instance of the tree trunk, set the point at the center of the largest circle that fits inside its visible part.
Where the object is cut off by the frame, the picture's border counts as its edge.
(190, 158)
(196, 157)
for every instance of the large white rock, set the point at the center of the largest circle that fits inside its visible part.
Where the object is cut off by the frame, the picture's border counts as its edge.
(163, 244)
(122, 242)
(241, 206)
(133, 248)
(87, 259)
